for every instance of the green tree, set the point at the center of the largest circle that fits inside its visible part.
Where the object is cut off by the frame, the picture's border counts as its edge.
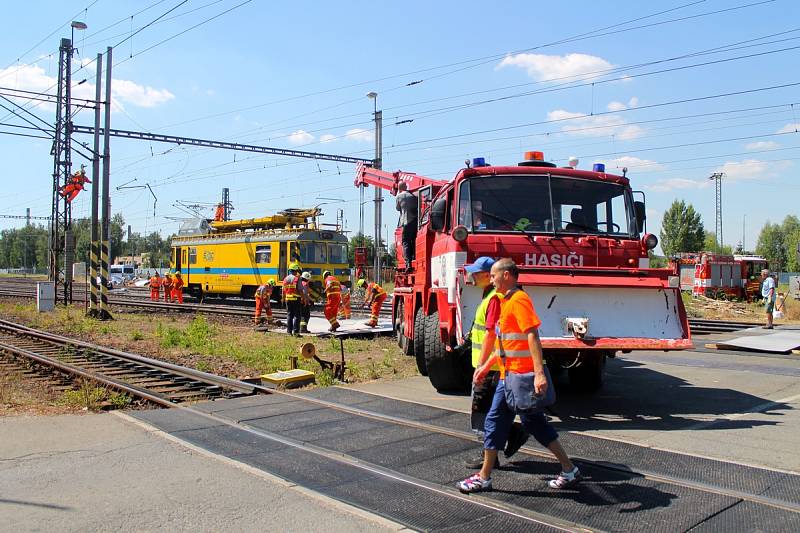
(792, 241)
(117, 231)
(681, 229)
(772, 246)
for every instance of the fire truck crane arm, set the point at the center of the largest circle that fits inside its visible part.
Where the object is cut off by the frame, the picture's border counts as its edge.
(366, 175)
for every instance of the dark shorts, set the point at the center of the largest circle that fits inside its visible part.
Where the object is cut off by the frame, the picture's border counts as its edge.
(500, 418)
(482, 397)
(769, 306)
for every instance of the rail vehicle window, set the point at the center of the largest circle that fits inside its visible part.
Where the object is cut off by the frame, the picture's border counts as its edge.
(264, 254)
(192, 256)
(337, 253)
(115, 269)
(312, 252)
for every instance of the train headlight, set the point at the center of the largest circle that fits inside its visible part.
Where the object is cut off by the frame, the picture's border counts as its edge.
(650, 241)
(460, 233)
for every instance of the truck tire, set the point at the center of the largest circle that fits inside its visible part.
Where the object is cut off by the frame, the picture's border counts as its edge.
(418, 342)
(400, 330)
(447, 370)
(588, 375)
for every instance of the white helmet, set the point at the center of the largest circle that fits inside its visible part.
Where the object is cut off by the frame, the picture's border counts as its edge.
(306, 275)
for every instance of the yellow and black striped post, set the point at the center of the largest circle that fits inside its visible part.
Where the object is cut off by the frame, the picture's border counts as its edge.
(105, 312)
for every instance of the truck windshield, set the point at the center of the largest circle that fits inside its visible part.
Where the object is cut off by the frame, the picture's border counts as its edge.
(540, 204)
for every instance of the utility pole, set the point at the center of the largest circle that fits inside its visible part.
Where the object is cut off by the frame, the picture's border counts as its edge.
(226, 204)
(94, 252)
(717, 177)
(61, 240)
(378, 164)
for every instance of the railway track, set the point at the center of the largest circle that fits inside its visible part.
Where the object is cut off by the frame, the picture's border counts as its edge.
(140, 298)
(155, 381)
(244, 309)
(380, 448)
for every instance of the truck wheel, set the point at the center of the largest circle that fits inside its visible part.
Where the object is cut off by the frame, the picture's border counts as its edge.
(400, 330)
(588, 375)
(418, 342)
(447, 370)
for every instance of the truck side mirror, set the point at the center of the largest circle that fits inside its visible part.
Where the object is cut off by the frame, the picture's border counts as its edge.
(438, 211)
(641, 215)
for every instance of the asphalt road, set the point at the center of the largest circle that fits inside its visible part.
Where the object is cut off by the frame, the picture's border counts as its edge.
(740, 407)
(101, 472)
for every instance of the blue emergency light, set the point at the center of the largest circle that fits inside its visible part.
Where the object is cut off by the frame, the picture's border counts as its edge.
(479, 162)
(599, 167)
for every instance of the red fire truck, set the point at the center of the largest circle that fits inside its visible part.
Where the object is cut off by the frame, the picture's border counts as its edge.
(722, 276)
(578, 237)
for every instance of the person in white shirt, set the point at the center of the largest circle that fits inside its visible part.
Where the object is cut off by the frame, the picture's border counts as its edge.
(768, 292)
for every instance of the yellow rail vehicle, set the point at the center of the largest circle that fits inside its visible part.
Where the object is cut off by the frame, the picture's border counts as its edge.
(235, 257)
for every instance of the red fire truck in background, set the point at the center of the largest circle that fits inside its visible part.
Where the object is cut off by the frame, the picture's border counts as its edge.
(579, 239)
(721, 276)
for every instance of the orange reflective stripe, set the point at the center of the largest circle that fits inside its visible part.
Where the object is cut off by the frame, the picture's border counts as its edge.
(511, 340)
(332, 286)
(377, 289)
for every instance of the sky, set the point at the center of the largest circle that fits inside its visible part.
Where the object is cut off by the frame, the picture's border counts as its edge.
(673, 90)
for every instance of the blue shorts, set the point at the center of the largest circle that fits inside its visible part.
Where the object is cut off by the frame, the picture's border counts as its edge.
(500, 417)
(769, 306)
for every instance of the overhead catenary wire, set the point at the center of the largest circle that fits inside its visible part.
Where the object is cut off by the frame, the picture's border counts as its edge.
(483, 58)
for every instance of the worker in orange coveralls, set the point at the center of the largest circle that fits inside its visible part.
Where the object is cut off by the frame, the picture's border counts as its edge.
(177, 288)
(333, 292)
(74, 185)
(219, 213)
(263, 303)
(167, 284)
(344, 305)
(375, 295)
(155, 286)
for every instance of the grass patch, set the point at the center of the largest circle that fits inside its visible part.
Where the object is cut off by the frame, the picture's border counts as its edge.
(87, 396)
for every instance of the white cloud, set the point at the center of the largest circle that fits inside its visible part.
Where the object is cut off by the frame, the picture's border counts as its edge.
(677, 183)
(752, 169)
(360, 134)
(543, 67)
(300, 137)
(33, 78)
(636, 164)
(619, 106)
(139, 95)
(789, 128)
(762, 145)
(327, 138)
(596, 126)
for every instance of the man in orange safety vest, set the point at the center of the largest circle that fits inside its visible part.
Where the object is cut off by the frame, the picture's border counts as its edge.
(177, 288)
(375, 296)
(263, 295)
(333, 293)
(155, 285)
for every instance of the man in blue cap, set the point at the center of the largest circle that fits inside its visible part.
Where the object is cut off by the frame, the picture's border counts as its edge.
(483, 337)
